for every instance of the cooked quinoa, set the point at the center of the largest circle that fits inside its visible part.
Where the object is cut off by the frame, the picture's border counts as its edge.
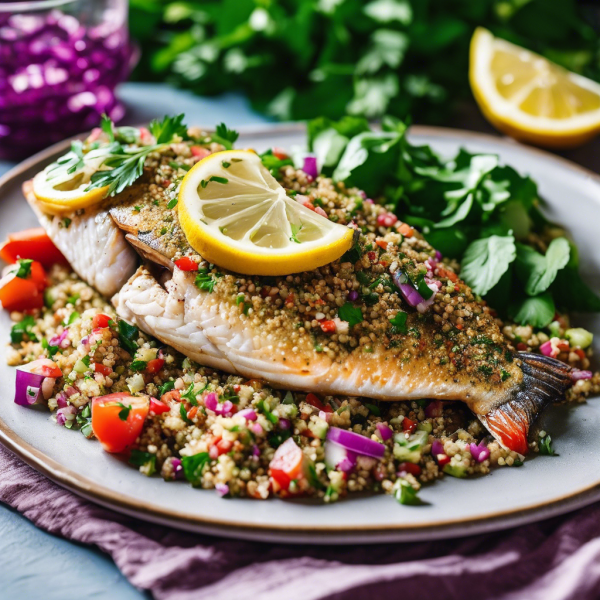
(222, 449)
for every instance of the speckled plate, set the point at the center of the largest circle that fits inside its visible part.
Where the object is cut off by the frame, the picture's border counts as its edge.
(543, 487)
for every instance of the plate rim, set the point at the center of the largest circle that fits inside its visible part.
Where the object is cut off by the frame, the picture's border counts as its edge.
(123, 503)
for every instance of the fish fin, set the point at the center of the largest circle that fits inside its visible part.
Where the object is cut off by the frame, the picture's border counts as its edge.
(545, 379)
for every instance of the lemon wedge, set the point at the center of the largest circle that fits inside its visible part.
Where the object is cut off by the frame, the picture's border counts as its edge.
(530, 98)
(235, 214)
(66, 193)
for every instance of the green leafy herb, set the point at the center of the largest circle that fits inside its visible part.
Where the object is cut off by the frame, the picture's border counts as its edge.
(183, 415)
(537, 311)
(190, 395)
(351, 314)
(545, 446)
(193, 467)
(73, 299)
(264, 408)
(137, 458)
(399, 323)
(539, 271)
(274, 163)
(172, 203)
(22, 328)
(23, 268)
(83, 421)
(52, 350)
(224, 136)
(217, 179)
(128, 335)
(295, 231)
(107, 127)
(66, 222)
(206, 281)
(166, 130)
(138, 365)
(71, 319)
(125, 410)
(166, 387)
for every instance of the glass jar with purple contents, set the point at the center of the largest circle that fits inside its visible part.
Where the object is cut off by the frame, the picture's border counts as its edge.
(60, 61)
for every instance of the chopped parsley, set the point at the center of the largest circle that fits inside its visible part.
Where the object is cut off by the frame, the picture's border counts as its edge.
(83, 420)
(23, 328)
(166, 387)
(71, 319)
(190, 395)
(52, 350)
(351, 314)
(125, 410)
(138, 365)
(399, 322)
(217, 179)
(545, 446)
(193, 467)
(206, 281)
(183, 414)
(128, 335)
(137, 458)
(172, 202)
(295, 231)
(24, 268)
(224, 136)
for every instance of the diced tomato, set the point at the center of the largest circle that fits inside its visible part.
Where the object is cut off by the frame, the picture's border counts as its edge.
(328, 326)
(580, 353)
(255, 383)
(44, 367)
(199, 151)
(442, 459)
(186, 264)
(19, 294)
(372, 256)
(280, 153)
(224, 446)
(382, 244)
(100, 368)
(172, 396)
(31, 243)
(116, 433)
(155, 365)
(38, 276)
(563, 345)
(100, 321)
(409, 468)
(314, 401)
(406, 230)
(158, 407)
(444, 273)
(409, 425)
(289, 301)
(521, 346)
(192, 412)
(460, 326)
(145, 136)
(287, 464)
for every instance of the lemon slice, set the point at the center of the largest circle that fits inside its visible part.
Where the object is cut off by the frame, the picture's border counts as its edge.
(235, 214)
(530, 98)
(66, 193)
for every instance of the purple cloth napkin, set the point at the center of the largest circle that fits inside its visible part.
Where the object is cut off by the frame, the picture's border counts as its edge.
(558, 559)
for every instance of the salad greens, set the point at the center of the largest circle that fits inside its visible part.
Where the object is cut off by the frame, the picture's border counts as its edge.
(297, 59)
(471, 208)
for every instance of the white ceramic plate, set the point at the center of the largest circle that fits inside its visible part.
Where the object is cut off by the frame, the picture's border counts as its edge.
(543, 487)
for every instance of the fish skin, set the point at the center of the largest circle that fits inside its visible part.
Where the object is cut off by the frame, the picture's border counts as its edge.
(94, 246)
(207, 327)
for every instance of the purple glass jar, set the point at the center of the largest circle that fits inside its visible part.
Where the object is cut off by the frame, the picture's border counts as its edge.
(60, 61)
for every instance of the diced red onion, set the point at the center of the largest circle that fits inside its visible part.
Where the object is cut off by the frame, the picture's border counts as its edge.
(385, 431)
(60, 340)
(339, 458)
(177, 468)
(370, 201)
(85, 341)
(284, 423)
(362, 194)
(211, 401)
(255, 450)
(438, 256)
(434, 409)
(310, 166)
(61, 400)
(425, 304)
(546, 349)
(386, 219)
(321, 212)
(437, 448)
(578, 374)
(213, 452)
(249, 414)
(353, 295)
(224, 408)
(222, 489)
(326, 416)
(65, 414)
(355, 442)
(28, 389)
(256, 428)
(479, 453)
(412, 297)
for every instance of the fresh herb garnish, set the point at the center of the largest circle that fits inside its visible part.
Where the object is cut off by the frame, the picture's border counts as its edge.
(351, 314)
(137, 458)
(183, 415)
(138, 365)
(172, 203)
(166, 387)
(193, 467)
(72, 318)
(128, 335)
(83, 420)
(206, 281)
(125, 410)
(23, 268)
(406, 493)
(22, 328)
(224, 136)
(52, 350)
(190, 395)
(274, 163)
(399, 322)
(545, 446)
(295, 231)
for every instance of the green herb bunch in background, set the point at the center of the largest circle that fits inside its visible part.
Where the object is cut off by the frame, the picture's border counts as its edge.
(298, 59)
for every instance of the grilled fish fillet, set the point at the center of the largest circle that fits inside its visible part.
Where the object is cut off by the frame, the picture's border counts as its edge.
(93, 245)
(271, 327)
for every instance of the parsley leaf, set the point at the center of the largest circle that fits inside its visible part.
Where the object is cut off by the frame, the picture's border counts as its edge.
(295, 231)
(399, 322)
(138, 365)
(274, 163)
(183, 414)
(190, 395)
(545, 446)
(537, 311)
(125, 410)
(107, 126)
(22, 328)
(166, 387)
(128, 335)
(224, 136)
(52, 350)
(538, 271)
(137, 458)
(351, 314)
(486, 260)
(24, 268)
(164, 131)
(83, 420)
(206, 281)
(193, 467)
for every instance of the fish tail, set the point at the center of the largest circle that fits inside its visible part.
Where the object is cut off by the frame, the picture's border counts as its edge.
(545, 379)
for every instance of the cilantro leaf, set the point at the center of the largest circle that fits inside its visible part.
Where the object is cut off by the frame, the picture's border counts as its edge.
(538, 271)
(486, 260)
(351, 314)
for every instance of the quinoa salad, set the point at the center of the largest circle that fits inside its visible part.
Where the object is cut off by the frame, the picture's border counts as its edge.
(242, 436)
